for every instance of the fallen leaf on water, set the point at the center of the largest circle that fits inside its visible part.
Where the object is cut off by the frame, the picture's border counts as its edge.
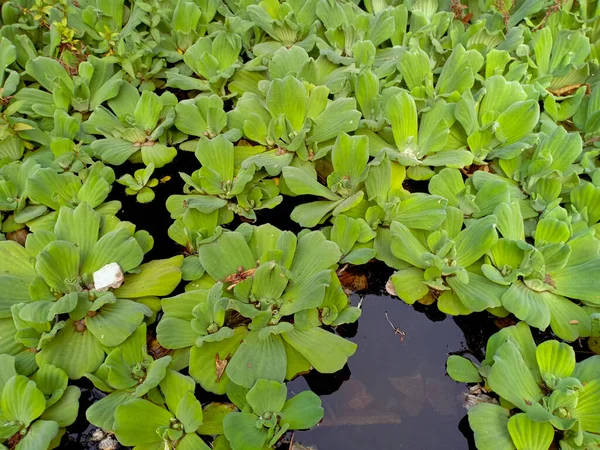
(477, 394)
(442, 399)
(413, 388)
(360, 397)
(352, 280)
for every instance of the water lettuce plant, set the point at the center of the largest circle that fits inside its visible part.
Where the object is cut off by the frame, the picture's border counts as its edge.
(458, 143)
(58, 299)
(237, 317)
(35, 410)
(555, 396)
(265, 415)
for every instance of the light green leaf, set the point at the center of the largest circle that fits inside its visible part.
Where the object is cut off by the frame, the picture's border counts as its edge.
(462, 370)
(490, 426)
(137, 422)
(76, 352)
(156, 278)
(529, 435)
(302, 411)
(257, 358)
(556, 360)
(325, 351)
(267, 396)
(58, 264)
(22, 401)
(511, 379)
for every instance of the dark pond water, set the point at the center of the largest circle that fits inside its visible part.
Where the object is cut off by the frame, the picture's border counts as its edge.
(396, 394)
(393, 393)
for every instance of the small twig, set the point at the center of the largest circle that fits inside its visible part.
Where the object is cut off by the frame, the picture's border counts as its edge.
(291, 442)
(396, 329)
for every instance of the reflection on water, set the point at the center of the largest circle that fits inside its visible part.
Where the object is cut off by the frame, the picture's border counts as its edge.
(396, 394)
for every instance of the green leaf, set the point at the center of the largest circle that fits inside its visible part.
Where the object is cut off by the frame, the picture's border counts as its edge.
(58, 264)
(511, 379)
(302, 411)
(40, 435)
(490, 426)
(402, 114)
(49, 73)
(114, 151)
(257, 358)
(529, 435)
(556, 360)
(243, 433)
(214, 413)
(75, 352)
(223, 256)
(325, 351)
(65, 411)
(79, 226)
(116, 246)
(267, 396)
(588, 407)
(301, 183)
(115, 322)
(478, 294)
(189, 412)
(156, 278)
(528, 305)
(22, 401)
(287, 97)
(204, 367)
(137, 422)
(473, 242)
(580, 282)
(147, 111)
(102, 412)
(406, 246)
(338, 117)
(314, 253)
(409, 284)
(462, 370)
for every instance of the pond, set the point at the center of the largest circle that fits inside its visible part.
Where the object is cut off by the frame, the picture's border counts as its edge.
(394, 392)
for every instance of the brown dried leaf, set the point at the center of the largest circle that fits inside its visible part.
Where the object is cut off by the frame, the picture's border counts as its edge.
(155, 350)
(504, 322)
(390, 289)
(352, 280)
(220, 365)
(568, 90)
(19, 236)
(428, 299)
(238, 277)
(360, 396)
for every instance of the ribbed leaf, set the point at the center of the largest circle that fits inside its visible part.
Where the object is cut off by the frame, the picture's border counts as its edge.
(325, 351)
(156, 278)
(510, 377)
(225, 255)
(529, 435)
(258, 358)
(556, 360)
(490, 426)
(75, 352)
